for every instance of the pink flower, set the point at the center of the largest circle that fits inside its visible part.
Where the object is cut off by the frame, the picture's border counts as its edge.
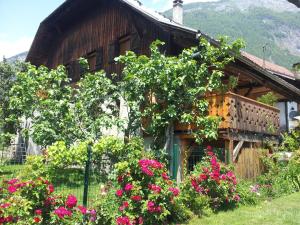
(13, 181)
(61, 212)
(123, 220)
(237, 198)
(155, 188)
(82, 209)
(139, 220)
(128, 187)
(165, 176)
(209, 148)
(124, 206)
(71, 201)
(136, 198)
(49, 201)
(152, 208)
(147, 171)
(203, 176)
(119, 193)
(38, 212)
(4, 205)
(175, 191)
(12, 189)
(50, 188)
(223, 177)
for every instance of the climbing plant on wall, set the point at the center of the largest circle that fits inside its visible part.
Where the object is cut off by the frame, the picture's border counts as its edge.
(161, 90)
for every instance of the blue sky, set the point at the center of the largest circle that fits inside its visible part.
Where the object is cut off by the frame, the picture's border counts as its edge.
(19, 20)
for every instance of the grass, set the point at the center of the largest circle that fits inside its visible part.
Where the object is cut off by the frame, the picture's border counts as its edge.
(281, 211)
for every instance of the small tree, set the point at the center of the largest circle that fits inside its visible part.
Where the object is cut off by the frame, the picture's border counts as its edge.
(57, 111)
(161, 90)
(8, 73)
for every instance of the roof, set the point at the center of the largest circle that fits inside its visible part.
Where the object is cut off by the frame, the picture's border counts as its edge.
(271, 67)
(157, 17)
(62, 14)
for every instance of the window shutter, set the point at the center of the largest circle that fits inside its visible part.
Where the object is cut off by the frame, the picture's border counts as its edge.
(113, 51)
(99, 58)
(135, 44)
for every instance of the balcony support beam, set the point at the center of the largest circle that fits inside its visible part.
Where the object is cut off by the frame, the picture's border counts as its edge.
(237, 150)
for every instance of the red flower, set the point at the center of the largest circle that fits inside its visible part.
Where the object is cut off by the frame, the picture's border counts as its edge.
(175, 191)
(50, 188)
(71, 201)
(82, 209)
(128, 187)
(13, 181)
(61, 212)
(165, 176)
(37, 219)
(38, 212)
(119, 193)
(124, 206)
(123, 220)
(152, 208)
(12, 189)
(136, 198)
(120, 179)
(155, 188)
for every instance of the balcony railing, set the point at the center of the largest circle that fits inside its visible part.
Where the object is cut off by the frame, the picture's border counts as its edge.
(241, 114)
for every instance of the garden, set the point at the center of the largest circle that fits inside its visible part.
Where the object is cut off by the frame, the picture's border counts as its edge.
(85, 175)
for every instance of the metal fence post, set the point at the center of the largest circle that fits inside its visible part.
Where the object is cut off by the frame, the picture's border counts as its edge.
(86, 175)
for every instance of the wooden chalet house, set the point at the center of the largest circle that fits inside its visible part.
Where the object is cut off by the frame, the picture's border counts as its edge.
(101, 30)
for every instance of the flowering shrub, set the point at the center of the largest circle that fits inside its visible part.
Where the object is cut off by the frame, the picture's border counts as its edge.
(145, 193)
(34, 202)
(214, 180)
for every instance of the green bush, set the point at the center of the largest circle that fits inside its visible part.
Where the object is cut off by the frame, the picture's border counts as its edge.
(291, 142)
(214, 180)
(34, 202)
(106, 206)
(249, 193)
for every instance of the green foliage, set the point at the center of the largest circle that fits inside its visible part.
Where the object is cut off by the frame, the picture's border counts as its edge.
(34, 202)
(7, 79)
(293, 170)
(161, 90)
(106, 206)
(146, 194)
(280, 178)
(59, 112)
(248, 192)
(269, 99)
(213, 180)
(291, 142)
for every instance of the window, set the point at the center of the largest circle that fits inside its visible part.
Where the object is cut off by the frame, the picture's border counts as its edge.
(124, 44)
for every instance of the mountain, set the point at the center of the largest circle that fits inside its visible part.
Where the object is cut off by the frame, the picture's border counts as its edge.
(18, 57)
(274, 24)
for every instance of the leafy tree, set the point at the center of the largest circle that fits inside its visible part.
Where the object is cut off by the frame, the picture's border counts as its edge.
(161, 90)
(59, 112)
(7, 78)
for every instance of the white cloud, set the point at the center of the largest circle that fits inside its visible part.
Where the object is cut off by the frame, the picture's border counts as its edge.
(10, 47)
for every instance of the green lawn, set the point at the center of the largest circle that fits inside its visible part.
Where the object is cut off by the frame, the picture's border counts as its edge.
(281, 211)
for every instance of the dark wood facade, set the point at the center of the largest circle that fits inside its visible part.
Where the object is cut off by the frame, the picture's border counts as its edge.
(102, 30)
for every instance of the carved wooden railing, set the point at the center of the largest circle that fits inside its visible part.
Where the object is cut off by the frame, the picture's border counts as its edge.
(244, 114)
(241, 114)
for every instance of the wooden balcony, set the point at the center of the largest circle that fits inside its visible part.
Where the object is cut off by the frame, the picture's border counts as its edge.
(241, 114)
